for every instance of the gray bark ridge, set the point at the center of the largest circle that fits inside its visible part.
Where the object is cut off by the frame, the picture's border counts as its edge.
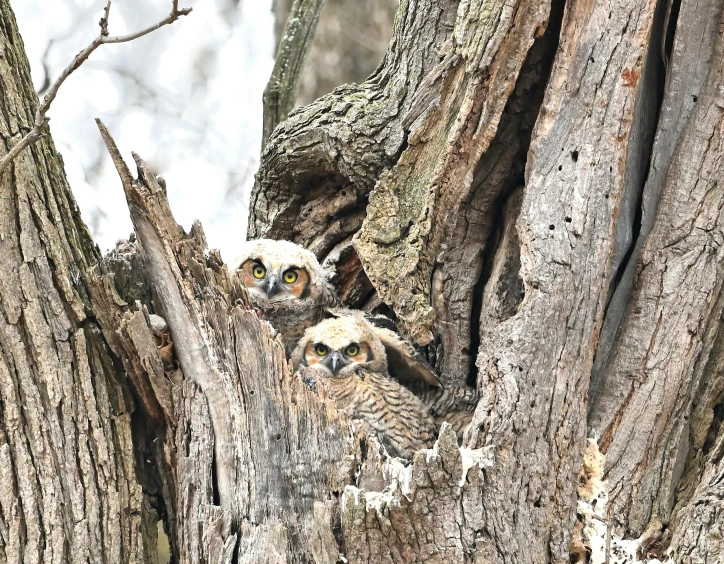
(668, 351)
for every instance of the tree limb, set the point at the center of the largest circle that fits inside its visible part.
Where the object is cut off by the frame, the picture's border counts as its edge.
(281, 90)
(41, 119)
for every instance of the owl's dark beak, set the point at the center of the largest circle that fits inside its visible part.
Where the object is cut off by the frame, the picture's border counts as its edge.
(335, 361)
(272, 286)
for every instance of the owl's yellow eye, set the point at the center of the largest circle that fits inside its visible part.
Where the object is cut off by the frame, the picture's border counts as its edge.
(290, 276)
(321, 350)
(352, 350)
(258, 270)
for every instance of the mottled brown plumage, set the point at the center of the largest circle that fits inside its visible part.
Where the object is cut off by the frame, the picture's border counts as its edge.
(404, 363)
(454, 404)
(347, 355)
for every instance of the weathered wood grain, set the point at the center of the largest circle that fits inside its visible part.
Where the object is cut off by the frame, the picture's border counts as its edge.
(275, 455)
(661, 363)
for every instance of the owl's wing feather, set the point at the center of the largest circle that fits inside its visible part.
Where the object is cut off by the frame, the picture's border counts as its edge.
(405, 364)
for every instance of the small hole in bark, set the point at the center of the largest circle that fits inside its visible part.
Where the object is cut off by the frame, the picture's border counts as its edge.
(278, 436)
(251, 392)
(215, 481)
(551, 227)
(520, 369)
(593, 60)
(714, 427)
(610, 169)
(538, 502)
(560, 167)
(568, 219)
(695, 98)
(574, 156)
(606, 196)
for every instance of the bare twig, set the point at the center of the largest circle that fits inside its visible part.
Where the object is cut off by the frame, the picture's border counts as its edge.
(608, 543)
(41, 119)
(281, 90)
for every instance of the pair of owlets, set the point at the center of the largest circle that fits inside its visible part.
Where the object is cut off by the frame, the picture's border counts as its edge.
(372, 373)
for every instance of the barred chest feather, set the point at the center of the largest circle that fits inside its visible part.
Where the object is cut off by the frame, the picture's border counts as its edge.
(375, 403)
(292, 320)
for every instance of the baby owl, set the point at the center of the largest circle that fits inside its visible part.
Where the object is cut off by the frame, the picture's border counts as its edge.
(350, 358)
(287, 283)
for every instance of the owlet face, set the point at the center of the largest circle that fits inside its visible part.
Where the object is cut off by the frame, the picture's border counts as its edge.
(279, 273)
(338, 346)
(272, 282)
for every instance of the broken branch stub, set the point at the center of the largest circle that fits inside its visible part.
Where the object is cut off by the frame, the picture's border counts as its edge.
(280, 93)
(274, 453)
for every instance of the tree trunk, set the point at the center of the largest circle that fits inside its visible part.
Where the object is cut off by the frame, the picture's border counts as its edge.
(531, 188)
(69, 485)
(580, 276)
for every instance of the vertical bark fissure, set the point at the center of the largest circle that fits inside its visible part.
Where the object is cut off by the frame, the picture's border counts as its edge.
(668, 344)
(465, 264)
(452, 124)
(631, 228)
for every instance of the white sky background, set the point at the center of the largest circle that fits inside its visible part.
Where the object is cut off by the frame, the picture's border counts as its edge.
(187, 98)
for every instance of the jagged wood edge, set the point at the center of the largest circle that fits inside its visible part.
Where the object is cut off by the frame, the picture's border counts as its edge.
(278, 454)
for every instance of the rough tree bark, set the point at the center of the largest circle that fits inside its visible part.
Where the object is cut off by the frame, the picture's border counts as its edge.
(69, 480)
(601, 258)
(531, 188)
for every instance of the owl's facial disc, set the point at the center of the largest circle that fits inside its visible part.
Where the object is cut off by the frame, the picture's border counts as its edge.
(274, 283)
(339, 361)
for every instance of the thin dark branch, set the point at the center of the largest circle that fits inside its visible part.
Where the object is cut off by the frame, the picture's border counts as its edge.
(104, 20)
(281, 90)
(41, 119)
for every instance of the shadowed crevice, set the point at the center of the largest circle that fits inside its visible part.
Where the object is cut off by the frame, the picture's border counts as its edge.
(467, 293)
(643, 190)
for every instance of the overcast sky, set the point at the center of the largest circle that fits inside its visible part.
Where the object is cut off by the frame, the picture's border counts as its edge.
(187, 98)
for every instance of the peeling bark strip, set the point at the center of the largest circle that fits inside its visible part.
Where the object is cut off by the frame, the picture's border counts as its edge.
(259, 459)
(69, 490)
(669, 351)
